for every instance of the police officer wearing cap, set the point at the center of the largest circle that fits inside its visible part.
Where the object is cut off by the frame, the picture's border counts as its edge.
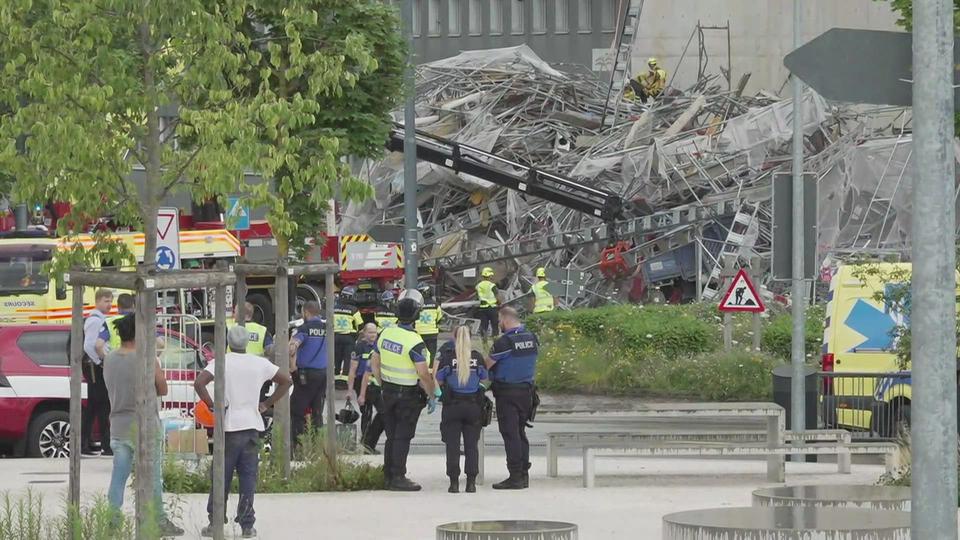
(428, 326)
(399, 363)
(463, 378)
(543, 301)
(346, 322)
(385, 316)
(308, 366)
(487, 312)
(512, 364)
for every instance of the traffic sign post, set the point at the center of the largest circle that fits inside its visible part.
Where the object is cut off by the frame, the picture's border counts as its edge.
(238, 215)
(168, 239)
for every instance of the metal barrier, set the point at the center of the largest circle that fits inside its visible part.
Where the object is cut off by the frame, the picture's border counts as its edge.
(871, 405)
(182, 356)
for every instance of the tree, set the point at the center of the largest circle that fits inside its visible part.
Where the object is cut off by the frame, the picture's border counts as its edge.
(85, 82)
(904, 8)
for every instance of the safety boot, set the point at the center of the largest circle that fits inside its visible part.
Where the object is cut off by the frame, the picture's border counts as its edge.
(454, 485)
(402, 483)
(515, 481)
(471, 484)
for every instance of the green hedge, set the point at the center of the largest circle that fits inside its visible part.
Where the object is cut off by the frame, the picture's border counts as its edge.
(777, 335)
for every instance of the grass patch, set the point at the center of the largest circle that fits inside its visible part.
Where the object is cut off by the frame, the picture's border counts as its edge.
(27, 518)
(312, 471)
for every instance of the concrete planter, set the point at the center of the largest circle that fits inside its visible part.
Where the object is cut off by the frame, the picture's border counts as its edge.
(507, 530)
(842, 496)
(785, 523)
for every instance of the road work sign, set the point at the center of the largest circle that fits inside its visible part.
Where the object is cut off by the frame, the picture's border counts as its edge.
(742, 296)
(861, 66)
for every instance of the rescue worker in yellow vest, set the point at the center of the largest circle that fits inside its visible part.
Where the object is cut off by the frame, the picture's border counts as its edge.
(345, 326)
(108, 335)
(385, 317)
(543, 301)
(648, 85)
(487, 312)
(399, 364)
(260, 340)
(428, 326)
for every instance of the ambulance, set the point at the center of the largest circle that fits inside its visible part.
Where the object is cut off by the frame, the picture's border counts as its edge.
(872, 391)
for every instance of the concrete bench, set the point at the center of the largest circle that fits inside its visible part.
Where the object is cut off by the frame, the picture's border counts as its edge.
(557, 441)
(723, 449)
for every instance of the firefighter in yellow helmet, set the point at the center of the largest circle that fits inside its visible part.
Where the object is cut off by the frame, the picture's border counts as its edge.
(487, 311)
(543, 300)
(648, 85)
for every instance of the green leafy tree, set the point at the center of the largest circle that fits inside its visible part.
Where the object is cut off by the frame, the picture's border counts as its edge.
(904, 8)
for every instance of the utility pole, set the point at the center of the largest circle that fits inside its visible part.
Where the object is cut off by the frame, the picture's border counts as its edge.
(798, 298)
(933, 244)
(411, 231)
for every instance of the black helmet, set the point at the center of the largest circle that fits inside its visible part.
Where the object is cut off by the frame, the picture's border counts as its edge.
(425, 289)
(408, 310)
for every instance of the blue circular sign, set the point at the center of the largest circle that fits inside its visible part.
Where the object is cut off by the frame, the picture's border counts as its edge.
(166, 258)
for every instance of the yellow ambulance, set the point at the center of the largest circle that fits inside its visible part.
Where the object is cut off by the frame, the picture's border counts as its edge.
(28, 296)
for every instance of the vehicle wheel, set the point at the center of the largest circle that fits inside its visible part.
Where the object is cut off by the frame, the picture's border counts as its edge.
(49, 435)
(206, 339)
(262, 310)
(306, 293)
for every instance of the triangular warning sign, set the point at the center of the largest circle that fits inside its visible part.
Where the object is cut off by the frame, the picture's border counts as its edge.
(742, 296)
(238, 210)
(164, 221)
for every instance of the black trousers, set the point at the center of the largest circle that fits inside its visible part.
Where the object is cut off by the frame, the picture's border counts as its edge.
(371, 417)
(489, 318)
(342, 347)
(461, 418)
(401, 411)
(309, 391)
(97, 409)
(514, 404)
(241, 454)
(430, 340)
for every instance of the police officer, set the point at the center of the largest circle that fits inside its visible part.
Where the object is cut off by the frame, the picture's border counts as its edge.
(399, 362)
(260, 339)
(487, 295)
(345, 316)
(364, 388)
(385, 316)
(430, 315)
(308, 366)
(513, 363)
(543, 300)
(463, 379)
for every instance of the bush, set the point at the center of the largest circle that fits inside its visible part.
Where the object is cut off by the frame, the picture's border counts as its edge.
(777, 335)
(26, 518)
(312, 472)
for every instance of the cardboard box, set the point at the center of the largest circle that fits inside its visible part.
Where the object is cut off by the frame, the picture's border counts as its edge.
(188, 441)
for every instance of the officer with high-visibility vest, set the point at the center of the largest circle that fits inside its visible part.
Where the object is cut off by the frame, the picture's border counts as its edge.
(543, 301)
(259, 338)
(487, 312)
(385, 317)
(345, 326)
(110, 337)
(428, 326)
(399, 363)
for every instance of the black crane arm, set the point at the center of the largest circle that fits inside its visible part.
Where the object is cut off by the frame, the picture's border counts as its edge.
(550, 187)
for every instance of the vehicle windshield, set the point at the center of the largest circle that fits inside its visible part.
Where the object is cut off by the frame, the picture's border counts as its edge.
(21, 269)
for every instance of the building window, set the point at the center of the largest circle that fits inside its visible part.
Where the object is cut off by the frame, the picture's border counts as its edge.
(608, 10)
(453, 20)
(585, 15)
(433, 17)
(516, 17)
(496, 17)
(562, 15)
(539, 16)
(475, 17)
(417, 26)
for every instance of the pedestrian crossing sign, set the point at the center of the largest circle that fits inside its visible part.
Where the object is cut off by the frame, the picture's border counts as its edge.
(238, 215)
(742, 296)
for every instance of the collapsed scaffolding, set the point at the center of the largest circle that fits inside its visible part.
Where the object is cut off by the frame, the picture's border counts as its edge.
(694, 169)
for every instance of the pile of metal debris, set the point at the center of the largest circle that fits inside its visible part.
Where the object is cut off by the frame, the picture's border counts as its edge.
(695, 169)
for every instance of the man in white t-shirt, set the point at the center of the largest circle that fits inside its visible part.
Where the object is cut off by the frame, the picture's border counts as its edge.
(246, 374)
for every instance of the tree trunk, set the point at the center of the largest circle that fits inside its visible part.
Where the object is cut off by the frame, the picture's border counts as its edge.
(281, 416)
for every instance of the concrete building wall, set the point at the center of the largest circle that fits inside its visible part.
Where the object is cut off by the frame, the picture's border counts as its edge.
(760, 31)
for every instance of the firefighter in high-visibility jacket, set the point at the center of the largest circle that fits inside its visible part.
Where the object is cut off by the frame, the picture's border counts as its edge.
(487, 310)
(385, 317)
(428, 325)
(346, 322)
(543, 301)
(399, 363)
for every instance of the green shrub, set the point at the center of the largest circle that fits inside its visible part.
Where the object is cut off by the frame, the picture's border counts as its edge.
(718, 376)
(26, 518)
(776, 336)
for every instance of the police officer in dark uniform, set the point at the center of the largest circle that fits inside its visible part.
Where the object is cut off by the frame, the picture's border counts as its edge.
(308, 367)
(345, 317)
(365, 390)
(399, 363)
(463, 379)
(513, 364)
